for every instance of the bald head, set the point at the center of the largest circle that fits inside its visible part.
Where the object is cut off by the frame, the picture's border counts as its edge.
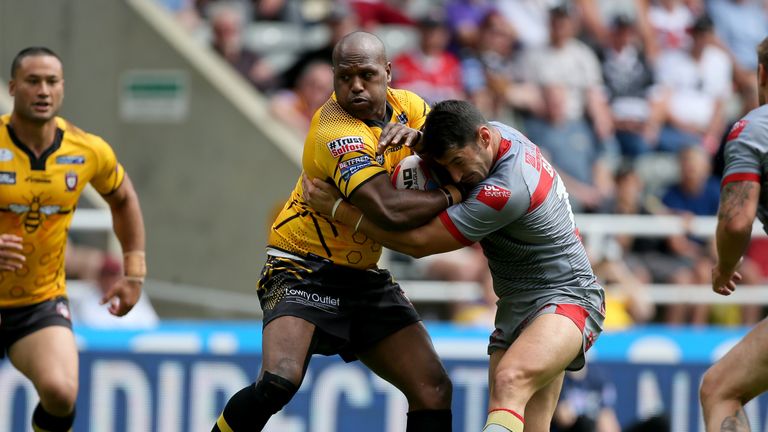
(360, 44)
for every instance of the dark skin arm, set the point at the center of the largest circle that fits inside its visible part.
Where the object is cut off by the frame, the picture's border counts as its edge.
(427, 239)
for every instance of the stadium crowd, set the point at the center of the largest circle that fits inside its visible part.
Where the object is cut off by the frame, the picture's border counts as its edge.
(631, 100)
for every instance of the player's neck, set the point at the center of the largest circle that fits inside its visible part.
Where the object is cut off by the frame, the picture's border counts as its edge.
(35, 135)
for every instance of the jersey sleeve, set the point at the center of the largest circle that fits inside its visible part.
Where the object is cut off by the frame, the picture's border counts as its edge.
(490, 207)
(743, 153)
(109, 174)
(347, 155)
(418, 109)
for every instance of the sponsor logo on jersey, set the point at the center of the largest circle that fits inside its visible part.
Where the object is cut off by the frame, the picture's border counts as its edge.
(70, 160)
(5, 155)
(494, 197)
(346, 145)
(402, 118)
(7, 177)
(70, 180)
(736, 130)
(349, 167)
(33, 179)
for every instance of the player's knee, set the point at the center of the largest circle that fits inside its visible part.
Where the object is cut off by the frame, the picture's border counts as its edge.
(517, 380)
(435, 394)
(710, 388)
(58, 396)
(274, 392)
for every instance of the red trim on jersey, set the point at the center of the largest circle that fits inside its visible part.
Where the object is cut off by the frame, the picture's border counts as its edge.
(504, 147)
(542, 190)
(736, 130)
(578, 235)
(576, 313)
(451, 227)
(740, 177)
(393, 177)
(509, 411)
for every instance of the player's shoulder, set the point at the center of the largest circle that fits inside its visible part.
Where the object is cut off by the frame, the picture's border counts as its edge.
(406, 100)
(75, 136)
(332, 120)
(751, 127)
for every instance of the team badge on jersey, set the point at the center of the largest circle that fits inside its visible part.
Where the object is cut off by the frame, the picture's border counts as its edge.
(5, 155)
(70, 180)
(736, 130)
(494, 197)
(7, 178)
(344, 145)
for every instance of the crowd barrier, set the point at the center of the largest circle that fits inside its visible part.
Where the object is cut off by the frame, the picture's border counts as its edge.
(177, 377)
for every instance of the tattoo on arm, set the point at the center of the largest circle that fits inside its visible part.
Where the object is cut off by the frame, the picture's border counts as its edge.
(738, 422)
(732, 199)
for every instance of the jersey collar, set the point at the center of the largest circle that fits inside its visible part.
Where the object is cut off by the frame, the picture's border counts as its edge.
(37, 164)
(388, 111)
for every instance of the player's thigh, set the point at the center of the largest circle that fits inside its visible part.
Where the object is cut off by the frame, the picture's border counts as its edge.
(406, 359)
(48, 355)
(286, 347)
(541, 407)
(544, 349)
(743, 372)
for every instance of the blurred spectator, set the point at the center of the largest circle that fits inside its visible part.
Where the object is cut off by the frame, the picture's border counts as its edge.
(87, 310)
(494, 73)
(82, 262)
(586, 403)
(741, 25)
(375, 12)
(629, 81)
(696, 194)
(341, 21)
(696, 83)
(530, 18)
(464, 18)
(296, 107)
(571, 81)
(429, 70)
(664, 25)
(227, 23)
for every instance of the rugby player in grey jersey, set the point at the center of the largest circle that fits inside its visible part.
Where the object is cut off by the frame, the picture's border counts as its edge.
(550, 308)
(742, 373)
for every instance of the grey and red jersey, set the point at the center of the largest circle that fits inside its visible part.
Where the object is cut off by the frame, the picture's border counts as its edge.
(521, 216)
(746, 155)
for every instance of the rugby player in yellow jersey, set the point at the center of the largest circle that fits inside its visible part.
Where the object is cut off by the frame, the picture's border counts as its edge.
(320, 289)
(45, 162)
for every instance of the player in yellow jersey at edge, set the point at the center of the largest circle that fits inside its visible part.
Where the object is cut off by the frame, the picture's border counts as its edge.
(320, 290)
(45, 162)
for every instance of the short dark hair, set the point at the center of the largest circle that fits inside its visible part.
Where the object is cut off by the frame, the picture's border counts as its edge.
(762, 53)
(452, 124)
(30, 52)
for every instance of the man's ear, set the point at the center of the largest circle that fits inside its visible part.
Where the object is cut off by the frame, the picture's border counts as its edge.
(485, 135)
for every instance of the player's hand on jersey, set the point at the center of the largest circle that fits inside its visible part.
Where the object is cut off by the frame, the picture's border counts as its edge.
(395, 134)
(320, 195)
(724, 283)
(122, 296)
(11, 257)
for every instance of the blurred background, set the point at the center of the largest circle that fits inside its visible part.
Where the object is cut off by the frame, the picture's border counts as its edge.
(206, 103)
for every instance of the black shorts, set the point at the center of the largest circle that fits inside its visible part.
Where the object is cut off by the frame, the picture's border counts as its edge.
(352, 309)
(15, 323)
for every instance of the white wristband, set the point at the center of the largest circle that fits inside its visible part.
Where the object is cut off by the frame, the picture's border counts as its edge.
(336, 207)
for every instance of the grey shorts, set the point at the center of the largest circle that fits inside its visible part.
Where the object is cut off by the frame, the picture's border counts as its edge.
(514, 315)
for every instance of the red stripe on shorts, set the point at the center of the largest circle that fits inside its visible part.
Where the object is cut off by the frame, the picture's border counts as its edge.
(576, 313)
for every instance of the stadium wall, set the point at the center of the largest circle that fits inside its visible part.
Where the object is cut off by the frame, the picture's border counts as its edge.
(177, 378)
(208, 162)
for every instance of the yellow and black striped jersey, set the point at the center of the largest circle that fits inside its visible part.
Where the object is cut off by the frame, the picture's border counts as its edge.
(342, 148)
(38, 196)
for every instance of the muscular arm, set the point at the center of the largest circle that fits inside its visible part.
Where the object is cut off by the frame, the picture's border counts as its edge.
(126, 216)
(394, 209)
(428, 239)
(738, 207)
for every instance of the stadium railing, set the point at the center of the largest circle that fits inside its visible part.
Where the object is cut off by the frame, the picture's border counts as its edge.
(593, 228)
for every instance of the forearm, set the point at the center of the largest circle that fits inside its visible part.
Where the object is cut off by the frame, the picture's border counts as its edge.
(128, 224)
(406, 209)
(731, 245)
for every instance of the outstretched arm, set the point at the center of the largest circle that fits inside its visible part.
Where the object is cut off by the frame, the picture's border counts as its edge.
(129, 228)
(428, 239)
(738, 207)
